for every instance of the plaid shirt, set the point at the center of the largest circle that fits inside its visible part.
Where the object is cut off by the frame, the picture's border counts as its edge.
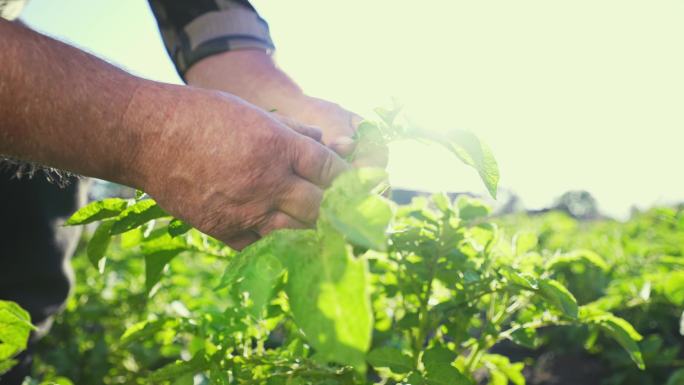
(195, 29)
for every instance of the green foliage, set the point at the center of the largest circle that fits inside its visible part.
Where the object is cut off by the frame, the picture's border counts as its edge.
(351, 208)
(178, 227)
(472, 152)
(326, 285)
(621, 331)
(392, 358)
(417, 294)
(558, 296)
(677, 378)
(421, 293)
(99, 242)
(15, 327)
(632, 269)
(137, 215)
(97, 211)
(502, 371)
(373, 136)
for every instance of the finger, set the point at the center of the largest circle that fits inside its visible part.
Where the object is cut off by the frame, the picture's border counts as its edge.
(242, 240)
(373, 156)
(343, 146)
(315, 162)
(312, 132)
(279, 220)
(302, 201)
(340, 124)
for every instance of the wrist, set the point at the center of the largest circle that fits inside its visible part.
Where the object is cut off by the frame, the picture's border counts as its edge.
(150, 107)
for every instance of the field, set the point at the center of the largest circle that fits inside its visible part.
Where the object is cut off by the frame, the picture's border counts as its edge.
(438, 291)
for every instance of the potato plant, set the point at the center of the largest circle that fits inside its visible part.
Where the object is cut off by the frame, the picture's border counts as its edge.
(634, 269)
(15, 327)
(374, 294)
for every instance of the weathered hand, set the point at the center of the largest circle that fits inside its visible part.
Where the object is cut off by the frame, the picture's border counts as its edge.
(337, 126)
(231, 169)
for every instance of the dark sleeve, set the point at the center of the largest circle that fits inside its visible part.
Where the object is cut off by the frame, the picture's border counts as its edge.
(195, 29)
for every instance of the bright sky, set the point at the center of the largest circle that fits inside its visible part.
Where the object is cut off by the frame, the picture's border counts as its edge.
(569, 95)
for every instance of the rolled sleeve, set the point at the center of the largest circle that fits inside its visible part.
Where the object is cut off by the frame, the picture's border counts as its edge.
(193, 30)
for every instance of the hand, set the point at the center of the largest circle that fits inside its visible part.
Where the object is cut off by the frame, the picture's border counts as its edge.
(337, 126)
(254, 76)
(229, 168)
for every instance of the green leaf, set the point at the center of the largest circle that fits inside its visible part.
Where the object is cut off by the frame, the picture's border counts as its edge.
(414, 379)
(438, 355)
(471, 208)
(578, 256)
(177, 369)
(96, 211)
(6, 365)
(557, 295)
(671, 285)
(145, 330)
(137, 215)
(676, 378)
(387, 115)
(178, 227)
(524, 242)
(15, 328)
(394, 359)
(446, 375)
(132, 238)
(502, 366)
(526, 337)
(259, 278)
(154, 265)
(327, 289)
(442, 202)
(439, 369)
(519, 279)
(99, 242)
(619, 329)
(371, 143)
(473, 152)
(329, 297)
(351, 206)
(278, 243)
(370, 132)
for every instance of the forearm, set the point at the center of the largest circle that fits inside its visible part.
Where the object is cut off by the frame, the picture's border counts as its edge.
(62, 107)
(250, 74)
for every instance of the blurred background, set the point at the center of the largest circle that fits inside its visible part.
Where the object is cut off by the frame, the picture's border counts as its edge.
(570, 96)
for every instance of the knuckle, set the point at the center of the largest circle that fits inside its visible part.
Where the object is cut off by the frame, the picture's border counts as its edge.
(287, 191)
(314, 132)
(279, 222)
